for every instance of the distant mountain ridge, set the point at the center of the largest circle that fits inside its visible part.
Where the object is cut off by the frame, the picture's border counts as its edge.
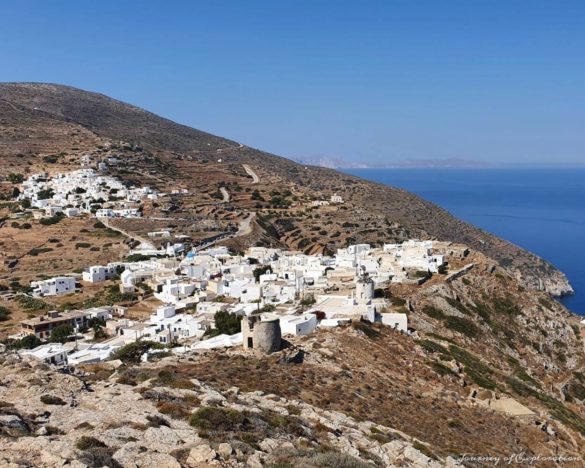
(446, 163)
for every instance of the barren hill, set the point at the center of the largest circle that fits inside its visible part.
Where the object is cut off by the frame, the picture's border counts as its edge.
(40, 120)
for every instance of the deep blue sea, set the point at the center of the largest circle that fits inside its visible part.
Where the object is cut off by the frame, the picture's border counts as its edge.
(542, 210)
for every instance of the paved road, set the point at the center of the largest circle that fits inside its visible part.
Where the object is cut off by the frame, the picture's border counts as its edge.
(250, 172)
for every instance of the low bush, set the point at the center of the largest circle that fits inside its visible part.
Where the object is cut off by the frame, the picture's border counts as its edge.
(169, 378)
(433, 347)
(4, 314)
(442, 369)
(474, 368)
(462, 325)
(39, 250)
(367, 329)
(433, 312)
(52, 400)
(132, 352)
(87, 442)
(217, 419)
(52, 220)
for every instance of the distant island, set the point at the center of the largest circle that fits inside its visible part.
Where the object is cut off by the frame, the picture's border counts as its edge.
(447, 163)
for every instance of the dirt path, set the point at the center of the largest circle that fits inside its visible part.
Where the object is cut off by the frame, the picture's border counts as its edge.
(144, 243)
(250, 172)
(225, 194)
(245, 227)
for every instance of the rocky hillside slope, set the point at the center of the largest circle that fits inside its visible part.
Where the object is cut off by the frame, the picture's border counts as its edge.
(492, 369)
(44, 124)
(165, 420)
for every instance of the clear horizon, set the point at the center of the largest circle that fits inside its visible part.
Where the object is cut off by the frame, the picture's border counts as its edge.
(497, 83)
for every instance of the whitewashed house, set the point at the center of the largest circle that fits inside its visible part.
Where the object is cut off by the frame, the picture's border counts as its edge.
(98, 273)
(56, 286)
(52, 353)
(395, 320)
(298, 324)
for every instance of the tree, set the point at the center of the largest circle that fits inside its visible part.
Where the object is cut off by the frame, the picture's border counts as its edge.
(225, 323)
(28, 342)
(132, 352)
(16, 178)
(260, 271)
(308, 300)
(61, 334)
(45, 193)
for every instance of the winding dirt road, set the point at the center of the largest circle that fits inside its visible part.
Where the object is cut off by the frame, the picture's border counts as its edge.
(250, 172)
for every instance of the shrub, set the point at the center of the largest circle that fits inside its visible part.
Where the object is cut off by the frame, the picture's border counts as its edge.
(433, 347)
(45, 193)
(30, 303)
(442, 369)
(225, 323)
(169, 378)
(308, 300)
(99, 457)
(61, 334)
(4, 314)
(424, 449)
(157, 421)
(366, 329)
(457, 305)
(338, 460)
(138, 257)
(462, 325)
(39, 250)
(260, 271)
(87, 442)
(82, 245)
(132, 352)
(15, 178)
(433, 312)
(474, 368)
(52, 220)
(218, 419)
(28, 342)
(52, 400)
(506, 306)
(174, 410)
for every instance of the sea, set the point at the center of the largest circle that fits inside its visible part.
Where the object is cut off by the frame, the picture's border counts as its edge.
(541, 210)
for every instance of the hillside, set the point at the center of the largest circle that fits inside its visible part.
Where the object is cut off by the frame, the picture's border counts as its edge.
(48, 126)
(490, 364)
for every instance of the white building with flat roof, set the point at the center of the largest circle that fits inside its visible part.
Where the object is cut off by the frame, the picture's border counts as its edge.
(56, 286)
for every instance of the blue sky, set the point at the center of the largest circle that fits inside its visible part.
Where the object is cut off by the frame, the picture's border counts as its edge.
(377, 81)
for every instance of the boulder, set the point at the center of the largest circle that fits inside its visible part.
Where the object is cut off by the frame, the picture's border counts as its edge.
(225, 450)
(201, 454)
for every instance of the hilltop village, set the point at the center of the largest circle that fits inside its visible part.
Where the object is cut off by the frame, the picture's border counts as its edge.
(263, 294)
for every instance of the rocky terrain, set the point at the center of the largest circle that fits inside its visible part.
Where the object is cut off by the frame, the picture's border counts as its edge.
(75, 420)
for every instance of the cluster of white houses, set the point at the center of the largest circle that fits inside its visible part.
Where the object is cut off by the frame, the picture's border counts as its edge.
(83, 191)
(299, 292)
